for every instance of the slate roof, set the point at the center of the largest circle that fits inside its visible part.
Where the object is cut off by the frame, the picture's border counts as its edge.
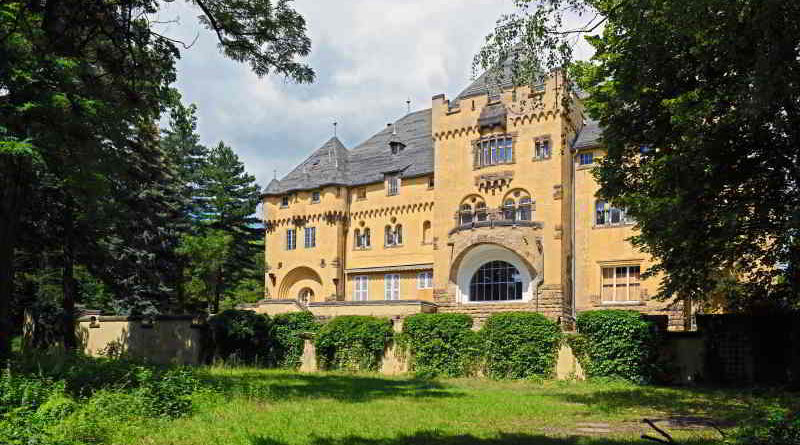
(368, 162)
(480, 86)
(589, 136)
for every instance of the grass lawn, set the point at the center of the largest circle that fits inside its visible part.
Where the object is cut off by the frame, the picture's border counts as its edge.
(267, 407)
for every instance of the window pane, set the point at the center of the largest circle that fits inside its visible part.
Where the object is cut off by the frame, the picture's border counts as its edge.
(615, 215)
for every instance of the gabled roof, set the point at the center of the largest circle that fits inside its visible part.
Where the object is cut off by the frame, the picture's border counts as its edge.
(589, 136)
(368, 162)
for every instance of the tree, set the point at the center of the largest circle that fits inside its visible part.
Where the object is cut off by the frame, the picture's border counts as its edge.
(84, 82)
(232, 196)
(206, 256)
(699, 102)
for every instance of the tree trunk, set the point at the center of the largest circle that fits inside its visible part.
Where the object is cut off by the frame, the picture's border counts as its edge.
(217, 291)
(14, 181)
(7, 238)
(68, 284)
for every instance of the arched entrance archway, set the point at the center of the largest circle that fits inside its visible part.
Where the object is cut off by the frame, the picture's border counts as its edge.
(297, 281)
(492, 273)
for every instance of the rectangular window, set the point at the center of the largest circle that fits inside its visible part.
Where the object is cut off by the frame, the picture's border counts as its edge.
(431, 182)
(541, 148)
(620, 283)
(586, 158)
(310, 237)
(360, 288)
(391, 287)
(284, 201)
(291, 241)
(393, 184)
(361, 193)
(315, 197)
(493, 151)
(425, 280)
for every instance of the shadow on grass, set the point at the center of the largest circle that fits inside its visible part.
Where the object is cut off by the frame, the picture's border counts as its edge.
(342, 387)
(434, 438)
(723, 406)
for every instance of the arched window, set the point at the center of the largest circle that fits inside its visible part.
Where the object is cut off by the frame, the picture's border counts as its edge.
(357, 239)
(496, 281)
(524, 211)
(389, 236)
(480, 211)
(365, 238)
(394, 236)
(509, 210)
(426, 232)
(466, 214)
(306, 295)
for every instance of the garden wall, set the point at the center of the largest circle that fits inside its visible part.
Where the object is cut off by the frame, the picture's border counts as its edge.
(395, 362)
(161, 339)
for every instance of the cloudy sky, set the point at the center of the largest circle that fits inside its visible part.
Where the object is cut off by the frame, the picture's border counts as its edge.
(370, 56)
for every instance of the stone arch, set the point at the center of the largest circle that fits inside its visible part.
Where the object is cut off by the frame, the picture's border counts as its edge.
(298, 279)
(472, 258)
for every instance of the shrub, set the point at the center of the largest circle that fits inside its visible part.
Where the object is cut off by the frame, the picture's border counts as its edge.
(441, 344)
(287, 346)
(240, 335)
(778, 427)
(520, 345)
(619, 344)
(353, 342)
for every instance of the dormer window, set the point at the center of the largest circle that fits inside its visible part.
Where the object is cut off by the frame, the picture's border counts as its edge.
(396, 147)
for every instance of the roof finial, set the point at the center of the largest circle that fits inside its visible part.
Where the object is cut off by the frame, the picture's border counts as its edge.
(275, 173)
(408, 104)
(334, 128)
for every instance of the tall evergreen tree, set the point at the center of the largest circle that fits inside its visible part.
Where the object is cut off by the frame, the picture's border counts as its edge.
(232, 196)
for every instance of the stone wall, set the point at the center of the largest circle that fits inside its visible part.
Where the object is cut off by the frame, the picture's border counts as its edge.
(163, 339)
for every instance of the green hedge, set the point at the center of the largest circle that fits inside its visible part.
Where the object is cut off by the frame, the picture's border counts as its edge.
(441, 344)
(287, 346)
(241, 336)
(353, 343)
(618, 343)
(520, 345)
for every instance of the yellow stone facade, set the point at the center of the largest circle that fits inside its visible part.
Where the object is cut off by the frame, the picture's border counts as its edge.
(562, 259)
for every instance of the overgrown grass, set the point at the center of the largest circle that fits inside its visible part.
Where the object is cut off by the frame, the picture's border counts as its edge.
(66, 400)
(263, 407)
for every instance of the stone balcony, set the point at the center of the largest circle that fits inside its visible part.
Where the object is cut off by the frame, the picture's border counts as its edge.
(493, 218)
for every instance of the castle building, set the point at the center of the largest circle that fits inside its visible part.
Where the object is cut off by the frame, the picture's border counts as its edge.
(478, 204)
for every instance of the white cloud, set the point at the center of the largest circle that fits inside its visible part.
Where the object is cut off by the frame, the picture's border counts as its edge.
(369, 57)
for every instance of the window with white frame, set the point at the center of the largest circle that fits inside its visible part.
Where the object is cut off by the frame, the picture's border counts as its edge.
(425, 280)
(360, 288)
(391, 287)
(393, 235)
(541, 148)
(291, 240)
(392, 184)
(493, 150)
(608, 215)
(620, 284)
(310, 237)
(361, 238)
